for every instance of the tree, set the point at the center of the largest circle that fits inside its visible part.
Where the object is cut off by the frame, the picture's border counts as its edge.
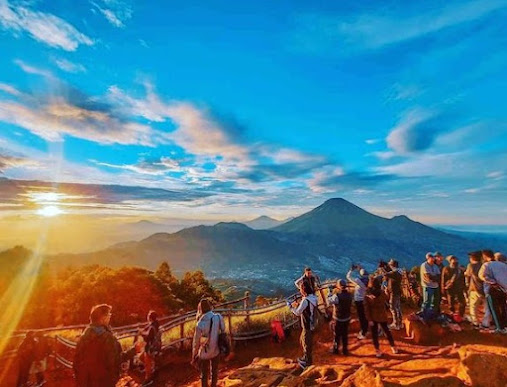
(164, 274)
(195, 286)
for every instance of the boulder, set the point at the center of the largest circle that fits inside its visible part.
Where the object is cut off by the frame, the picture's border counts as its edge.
(483, 365)
(364, 377)
(424, 333)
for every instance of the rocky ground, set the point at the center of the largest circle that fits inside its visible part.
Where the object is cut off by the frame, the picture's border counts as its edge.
(459, 358)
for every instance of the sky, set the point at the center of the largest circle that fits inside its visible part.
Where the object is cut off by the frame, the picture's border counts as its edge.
(235, 109)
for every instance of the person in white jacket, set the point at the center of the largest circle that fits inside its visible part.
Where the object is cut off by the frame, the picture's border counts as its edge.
(205, 350)
(359, 277)
(306, 309)
(494, 275)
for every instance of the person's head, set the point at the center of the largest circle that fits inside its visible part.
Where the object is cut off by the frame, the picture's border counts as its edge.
(430, 258)
(342, 284)
(308, 271)
(306, 288)
(453, 261)
(393, 263)
(439, 258)
(488, 255)
(475, 256)
(101, 314)
(204, 306)
(363, 273)
(500, 257)
(152, 316)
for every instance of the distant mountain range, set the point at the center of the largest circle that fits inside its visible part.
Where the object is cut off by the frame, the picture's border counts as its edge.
(329, 238)
(265, 222)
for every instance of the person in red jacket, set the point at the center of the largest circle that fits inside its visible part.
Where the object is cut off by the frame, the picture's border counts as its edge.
(99, 355)
(376, 312)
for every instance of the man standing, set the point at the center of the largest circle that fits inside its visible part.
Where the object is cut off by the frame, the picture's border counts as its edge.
(453, 284)
(342, 303)
(494, 275)
(361, 285)
(99, 355)
(394, 278)
(475, 286)
(305, 310)
(439, 262)
(430, 275)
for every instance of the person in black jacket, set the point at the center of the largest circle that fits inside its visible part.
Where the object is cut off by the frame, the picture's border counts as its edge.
(151, 337)
(26, 356)
(394, 278)
(453, 283)
(342, 303)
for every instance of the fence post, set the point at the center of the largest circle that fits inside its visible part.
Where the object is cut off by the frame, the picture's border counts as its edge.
(229, 319)
(246, 305)
(182, 334)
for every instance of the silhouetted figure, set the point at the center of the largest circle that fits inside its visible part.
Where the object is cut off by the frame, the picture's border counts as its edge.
(152, 338)
(26, 356)
(342, 304)
(453, 284)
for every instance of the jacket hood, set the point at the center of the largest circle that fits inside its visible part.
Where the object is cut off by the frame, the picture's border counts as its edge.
(99, 329)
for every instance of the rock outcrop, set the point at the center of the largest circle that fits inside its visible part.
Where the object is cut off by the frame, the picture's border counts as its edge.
(484, 366)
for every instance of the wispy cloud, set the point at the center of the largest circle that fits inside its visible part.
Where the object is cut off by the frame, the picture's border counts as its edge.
(69, 66)
(388, 26)
(115, 11)
(8, 161)
(29, 69)
(43, 27)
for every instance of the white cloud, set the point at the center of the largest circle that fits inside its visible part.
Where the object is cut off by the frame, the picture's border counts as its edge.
(116, 12)
(411, 134)
(6, 88)
(372, 141)
(496, 175)
(69, 66)
(44, 27)
(29, 69)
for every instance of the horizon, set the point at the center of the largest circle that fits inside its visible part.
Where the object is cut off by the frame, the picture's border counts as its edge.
(106, 109)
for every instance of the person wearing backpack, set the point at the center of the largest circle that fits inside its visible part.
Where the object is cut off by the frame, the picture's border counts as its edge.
(206, 343)
(342, 303)
(153, 339)
(98, 355)
(307, 310)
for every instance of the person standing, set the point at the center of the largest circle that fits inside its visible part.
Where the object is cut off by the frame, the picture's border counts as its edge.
(453, 284)
(394, 278)
(342, 303)
(440, 263)
(151, 336)
(306, 310)
(360, 286)
(376, 313)
(430, 275)
(205, 349)
(98, 354)
(475, 286)
(26, 356)
(494, 275)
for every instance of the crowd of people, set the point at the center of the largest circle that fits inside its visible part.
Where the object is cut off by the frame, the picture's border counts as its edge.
(376, 297)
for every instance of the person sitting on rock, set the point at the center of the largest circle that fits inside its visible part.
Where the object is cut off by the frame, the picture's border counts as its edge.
(306, 310)
(342, 303)
(453, 284)
(376, 312)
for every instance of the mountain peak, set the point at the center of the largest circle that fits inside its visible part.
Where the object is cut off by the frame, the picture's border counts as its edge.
(339, 205)
(231, 225)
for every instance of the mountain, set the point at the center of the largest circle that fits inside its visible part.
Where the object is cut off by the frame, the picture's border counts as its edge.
(264, 222)
(329, 238)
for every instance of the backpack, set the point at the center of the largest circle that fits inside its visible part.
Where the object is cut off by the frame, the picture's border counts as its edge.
(224, 345)
(315, 317)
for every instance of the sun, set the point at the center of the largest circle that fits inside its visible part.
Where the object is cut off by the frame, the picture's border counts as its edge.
(49, 211)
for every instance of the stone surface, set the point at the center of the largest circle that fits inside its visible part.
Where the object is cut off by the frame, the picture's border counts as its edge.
(484, 366)
(365, 376)
(423, 333)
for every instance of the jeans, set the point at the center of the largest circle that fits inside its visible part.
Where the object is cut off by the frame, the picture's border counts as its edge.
(395, 307)
(374, 334)
(363, 321)
(205, 368)
(341, 332)
(430, 297)
(496, 301)
(306, 344)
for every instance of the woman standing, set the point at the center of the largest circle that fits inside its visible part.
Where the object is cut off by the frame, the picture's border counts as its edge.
(376, 313)
(205, 349)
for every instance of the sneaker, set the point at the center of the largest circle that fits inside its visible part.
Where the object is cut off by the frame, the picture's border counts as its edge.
(302, 363)
(360, 336)
(394, 350)
(378, 353)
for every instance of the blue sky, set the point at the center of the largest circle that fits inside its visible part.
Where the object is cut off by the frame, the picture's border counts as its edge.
(237, 109)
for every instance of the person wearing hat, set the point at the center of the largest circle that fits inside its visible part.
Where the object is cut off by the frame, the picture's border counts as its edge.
(453, 283)
(430, 275)
(475, 286)
(360, 286)
(342, 303)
